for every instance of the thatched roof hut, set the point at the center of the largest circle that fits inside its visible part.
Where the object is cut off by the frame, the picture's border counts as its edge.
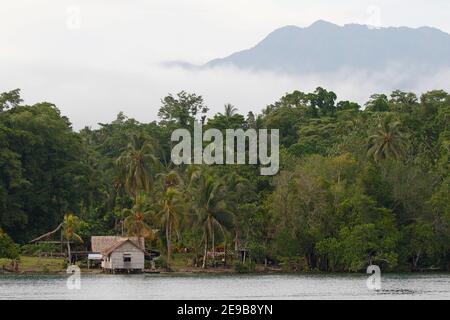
(99, 244)
(119, 253)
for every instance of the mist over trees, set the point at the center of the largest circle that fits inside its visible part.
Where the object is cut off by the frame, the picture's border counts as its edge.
(357, 184)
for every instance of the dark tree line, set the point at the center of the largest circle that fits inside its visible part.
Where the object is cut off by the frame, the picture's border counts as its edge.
(357, 185)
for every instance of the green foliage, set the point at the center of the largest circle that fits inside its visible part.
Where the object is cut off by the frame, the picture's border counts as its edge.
(134, 221)
(228, 120)
(247, 267)
(36, 250)
(378, 103)
(387, 142)
(170, 210)
(8, 249)
(10, 99)
(355, 186)
(161, 263)
(71, 226)
(211, 209)
(41, 169)
(182, 109)
(137, 164)
(293, 264)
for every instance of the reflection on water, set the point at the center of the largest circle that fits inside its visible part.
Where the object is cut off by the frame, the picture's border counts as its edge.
(411, 286)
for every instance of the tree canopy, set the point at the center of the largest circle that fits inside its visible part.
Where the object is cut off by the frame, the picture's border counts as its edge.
(357, 185)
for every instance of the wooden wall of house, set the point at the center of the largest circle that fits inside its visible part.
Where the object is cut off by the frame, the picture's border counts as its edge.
(137, 257)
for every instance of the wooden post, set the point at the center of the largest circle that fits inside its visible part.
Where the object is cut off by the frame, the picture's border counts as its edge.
(225, 252)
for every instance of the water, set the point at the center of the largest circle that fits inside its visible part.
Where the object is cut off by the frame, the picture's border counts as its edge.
(394, 286)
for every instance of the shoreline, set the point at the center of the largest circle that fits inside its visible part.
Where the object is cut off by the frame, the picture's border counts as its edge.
(29, 266)
(212, 272)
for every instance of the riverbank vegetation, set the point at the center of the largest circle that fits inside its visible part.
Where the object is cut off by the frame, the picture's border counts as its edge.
(35, 265)
(357, 184)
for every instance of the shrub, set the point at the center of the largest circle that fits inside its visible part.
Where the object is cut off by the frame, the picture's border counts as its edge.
(8, 249)
(37, 249)
(240, 267)
(161, 262)
(293, 264)
(45, 269)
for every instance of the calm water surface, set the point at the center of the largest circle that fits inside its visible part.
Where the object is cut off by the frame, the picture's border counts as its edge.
(410, 286)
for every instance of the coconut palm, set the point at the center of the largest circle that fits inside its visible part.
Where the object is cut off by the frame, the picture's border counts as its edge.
(134, 221)
(388, 142)
(229, 110)
(138, 163)
(237, 186)
(70, 226)
(211, 210)
(170, 178)
(171, 210)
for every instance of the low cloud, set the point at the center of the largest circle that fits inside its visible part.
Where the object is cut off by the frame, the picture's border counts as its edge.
(107, 63)
(90, 95)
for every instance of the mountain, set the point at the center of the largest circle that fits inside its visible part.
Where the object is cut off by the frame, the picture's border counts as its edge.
(326, 47)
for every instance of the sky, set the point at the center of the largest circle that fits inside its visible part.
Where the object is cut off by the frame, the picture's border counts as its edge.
(95, 58)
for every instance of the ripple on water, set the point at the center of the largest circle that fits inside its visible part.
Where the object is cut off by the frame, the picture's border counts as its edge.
(329, 286)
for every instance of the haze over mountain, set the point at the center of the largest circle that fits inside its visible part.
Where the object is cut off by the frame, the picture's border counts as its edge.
(326, 47)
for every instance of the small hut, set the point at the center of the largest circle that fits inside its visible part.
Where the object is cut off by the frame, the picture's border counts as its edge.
(120, 254)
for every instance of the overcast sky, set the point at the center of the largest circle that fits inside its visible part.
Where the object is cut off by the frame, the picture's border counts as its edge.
(94, 58)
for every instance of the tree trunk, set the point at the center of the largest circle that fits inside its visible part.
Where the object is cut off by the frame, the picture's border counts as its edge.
(225, 253)
(69, 254)
(169, 244)
(205, 253)
(416, 260)
(213, 248)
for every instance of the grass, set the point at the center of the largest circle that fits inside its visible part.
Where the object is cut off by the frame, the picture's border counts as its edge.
(181, 260)
(36, 264)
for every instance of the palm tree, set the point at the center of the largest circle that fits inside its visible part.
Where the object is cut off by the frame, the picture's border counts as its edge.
(172, 207)
(237, 186)
(170, 178)
(71, 224)
(388, 142)
(138, 162)
(229, 111)
(211, 210)
(134, 222)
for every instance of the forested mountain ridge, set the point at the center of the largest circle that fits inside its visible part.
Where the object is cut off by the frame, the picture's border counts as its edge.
(326, 47)
(356, 185)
